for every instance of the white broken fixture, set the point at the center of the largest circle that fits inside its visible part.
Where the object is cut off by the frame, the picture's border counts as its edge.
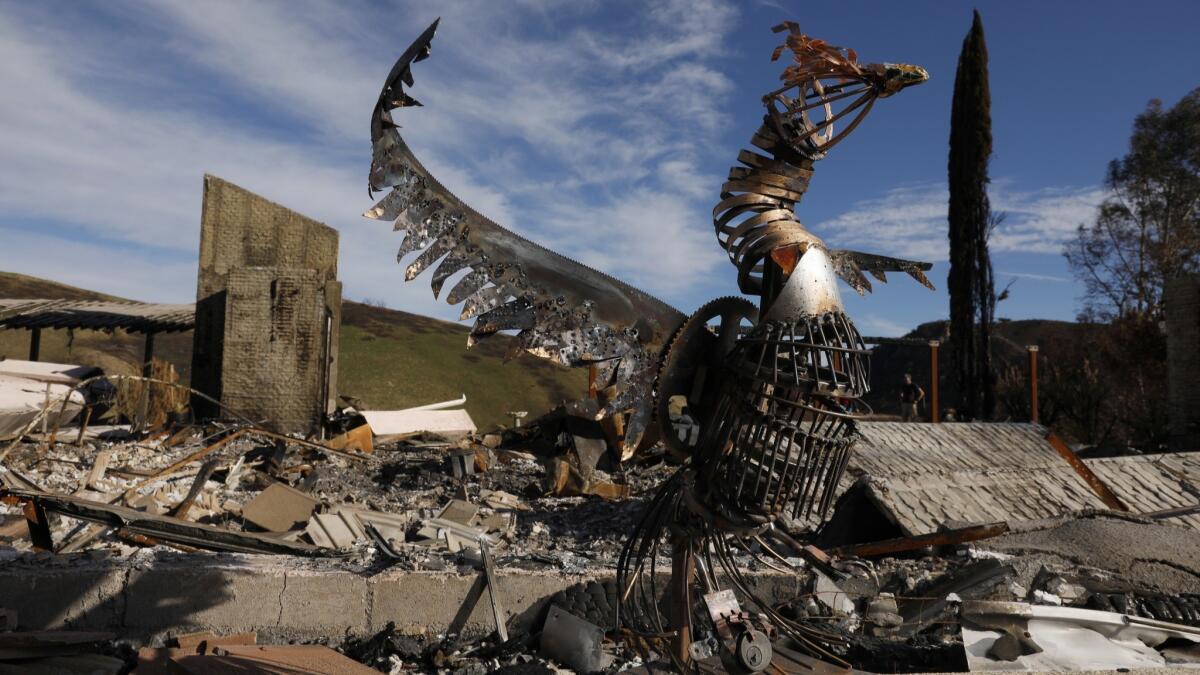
(26, 387)
(1070, 638)
(433, 418)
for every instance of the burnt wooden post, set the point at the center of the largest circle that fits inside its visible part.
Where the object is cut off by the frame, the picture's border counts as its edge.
(1033, 377)
(39, 527)
(934, 411)
(35, 343)
(147, 355)
(143, 411)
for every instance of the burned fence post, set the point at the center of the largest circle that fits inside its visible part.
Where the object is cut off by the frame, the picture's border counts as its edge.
(35, 343)
(934, 411)
(1033, 381)
(147, 354)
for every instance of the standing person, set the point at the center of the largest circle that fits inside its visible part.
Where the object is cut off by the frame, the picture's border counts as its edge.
(910, 396)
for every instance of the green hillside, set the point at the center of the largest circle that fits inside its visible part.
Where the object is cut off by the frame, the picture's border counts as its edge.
(389, 359)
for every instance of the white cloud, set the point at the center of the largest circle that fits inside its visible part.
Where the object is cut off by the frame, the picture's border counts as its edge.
(1034, 277)
(584, 140)
(874, 325)
(910, 221)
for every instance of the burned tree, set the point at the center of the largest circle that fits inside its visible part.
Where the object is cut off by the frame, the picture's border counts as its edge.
(972, 297)
(1147, 231)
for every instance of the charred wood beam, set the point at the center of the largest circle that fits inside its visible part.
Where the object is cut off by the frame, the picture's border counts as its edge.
(902, 544)
(161, 528)
(1098, 486)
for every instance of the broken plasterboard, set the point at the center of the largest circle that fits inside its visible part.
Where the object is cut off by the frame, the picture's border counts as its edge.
(389, 424)
(279, 508)
(346, 526)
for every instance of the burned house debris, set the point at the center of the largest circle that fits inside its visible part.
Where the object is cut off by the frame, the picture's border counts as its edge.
(720, 501)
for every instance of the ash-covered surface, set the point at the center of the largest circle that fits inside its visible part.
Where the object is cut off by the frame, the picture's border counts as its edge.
(582, 531)
(1140, 552)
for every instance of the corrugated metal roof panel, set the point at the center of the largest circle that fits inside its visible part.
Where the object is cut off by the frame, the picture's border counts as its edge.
(136, 317)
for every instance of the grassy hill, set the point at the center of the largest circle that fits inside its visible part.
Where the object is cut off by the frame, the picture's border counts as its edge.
(388, 358)
(393, 359)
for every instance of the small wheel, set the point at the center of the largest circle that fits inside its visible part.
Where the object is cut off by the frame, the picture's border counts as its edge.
(690, 365)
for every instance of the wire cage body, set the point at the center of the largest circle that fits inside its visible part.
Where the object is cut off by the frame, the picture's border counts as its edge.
(782, 431)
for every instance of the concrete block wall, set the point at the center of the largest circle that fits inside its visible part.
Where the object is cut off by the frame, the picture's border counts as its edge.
(274, 346)
(241, 230)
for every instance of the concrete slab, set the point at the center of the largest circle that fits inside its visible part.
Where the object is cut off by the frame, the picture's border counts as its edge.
(188, 598)
(90, 598)
(310, 600)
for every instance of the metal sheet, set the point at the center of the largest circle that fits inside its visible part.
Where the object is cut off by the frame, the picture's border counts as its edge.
(567, 311)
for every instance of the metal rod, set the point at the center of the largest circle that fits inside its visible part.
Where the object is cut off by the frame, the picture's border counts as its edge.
(683, 568)
(489, 572)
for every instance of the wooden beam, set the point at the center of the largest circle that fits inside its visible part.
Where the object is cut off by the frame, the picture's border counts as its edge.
(1098, 486)
(148, 355)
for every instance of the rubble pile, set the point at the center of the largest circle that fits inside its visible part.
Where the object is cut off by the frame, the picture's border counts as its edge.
(1090, 589)
(244, 479)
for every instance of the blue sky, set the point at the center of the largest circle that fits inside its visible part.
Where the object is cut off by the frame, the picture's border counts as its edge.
(600, 129)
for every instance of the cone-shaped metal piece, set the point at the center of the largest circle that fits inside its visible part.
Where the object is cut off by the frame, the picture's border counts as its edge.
(811, 290)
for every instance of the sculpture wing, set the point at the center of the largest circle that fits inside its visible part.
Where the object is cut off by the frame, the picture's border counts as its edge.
(563, 310)
(850, 266)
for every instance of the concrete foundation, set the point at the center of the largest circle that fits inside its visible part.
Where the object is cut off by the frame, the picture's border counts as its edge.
(282, 598)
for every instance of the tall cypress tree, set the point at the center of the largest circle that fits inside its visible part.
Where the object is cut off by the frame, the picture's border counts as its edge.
(972, 295)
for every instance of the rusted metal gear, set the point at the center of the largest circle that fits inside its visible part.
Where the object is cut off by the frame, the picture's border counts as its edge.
(692, 359)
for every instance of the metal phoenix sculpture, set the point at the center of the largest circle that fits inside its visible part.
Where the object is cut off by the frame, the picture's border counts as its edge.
(774, 387)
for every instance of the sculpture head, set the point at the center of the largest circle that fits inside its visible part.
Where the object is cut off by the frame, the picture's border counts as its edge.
(824, 85)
